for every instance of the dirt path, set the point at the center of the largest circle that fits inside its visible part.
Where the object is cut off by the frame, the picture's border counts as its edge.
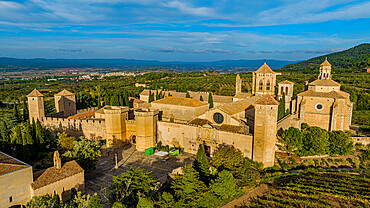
(252, 194)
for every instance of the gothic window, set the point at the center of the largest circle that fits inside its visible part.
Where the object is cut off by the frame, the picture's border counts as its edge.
(281, 90)
(218, 118)
(261, 85)
(268, 86)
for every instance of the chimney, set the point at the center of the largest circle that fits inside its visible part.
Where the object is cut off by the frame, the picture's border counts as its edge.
(57, 160)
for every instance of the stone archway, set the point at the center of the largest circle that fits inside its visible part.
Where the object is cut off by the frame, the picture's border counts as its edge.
(133, 139)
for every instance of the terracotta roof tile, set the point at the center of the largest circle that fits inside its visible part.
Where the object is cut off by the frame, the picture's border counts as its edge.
(267, 100)
(83, 115)
(324, 82)
(325, 63)
(264, 69)
(64, 93)
(35, 93)
(243, 95)
(286, 82)
(331, 94)
(52, 175)
(9, 164)
(231, 128)
(238, 106)
(181, 101)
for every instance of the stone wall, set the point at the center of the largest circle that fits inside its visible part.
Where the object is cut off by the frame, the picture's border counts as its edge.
(189, 137)
(62, 187)
(290, 120)
(86, 110)
(92, 129)
(363, 140)
(17, 186)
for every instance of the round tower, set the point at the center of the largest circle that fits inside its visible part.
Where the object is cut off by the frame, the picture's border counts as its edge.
(146, 128)
(115, 125)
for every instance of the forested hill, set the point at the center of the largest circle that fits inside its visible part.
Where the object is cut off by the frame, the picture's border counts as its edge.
(353, 59)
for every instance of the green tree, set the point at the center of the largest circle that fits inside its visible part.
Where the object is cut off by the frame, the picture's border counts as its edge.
(281, 107)
(292, 139)
(131, 185)
(16, 111)
(17, 139)
(95, 202)
(118, 205)
(187, 95)
(145, 203)
(40, 134)
(156, 95)
(24, 110)
(201, 98)
(315, 141)
(44, 201)
(27, 142)
(150, 97)
(224, 186)
(228, 158)
(210, 100)
(201, 164)
(166, 200)
(114, 101)
(85, 153)
(66, 142)
(188, 188)
(5, 138)
(340, 143)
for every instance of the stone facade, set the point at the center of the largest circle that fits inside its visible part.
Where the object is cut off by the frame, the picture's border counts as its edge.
(264, 81)
(15, 185)
(36, 105)
(65, 103)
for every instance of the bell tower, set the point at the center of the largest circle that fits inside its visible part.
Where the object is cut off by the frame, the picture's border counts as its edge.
(325, 70)
(264, 81)
(238, 85)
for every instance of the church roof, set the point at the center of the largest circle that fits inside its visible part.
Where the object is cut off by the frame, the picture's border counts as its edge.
(267, 100)
(243, 95)
(331, 94)
(286, 82)
(180, 101)
(238, 106)
(231, 128)
(264, 69)
(325, 63)
(53, 174)
(35, 93)
(324, 82)
(9, 164)
(64, 93)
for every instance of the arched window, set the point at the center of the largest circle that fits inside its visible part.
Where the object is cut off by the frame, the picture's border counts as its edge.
(281, 90)
(268, 85)
(261, 85)
(286, 90)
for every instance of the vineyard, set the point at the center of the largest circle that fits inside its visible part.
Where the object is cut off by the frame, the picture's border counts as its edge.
(318, 190)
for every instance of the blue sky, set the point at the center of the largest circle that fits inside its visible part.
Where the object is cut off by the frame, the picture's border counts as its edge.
(186, 30)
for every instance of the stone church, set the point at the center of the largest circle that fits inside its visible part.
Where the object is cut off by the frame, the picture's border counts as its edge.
(248, 121)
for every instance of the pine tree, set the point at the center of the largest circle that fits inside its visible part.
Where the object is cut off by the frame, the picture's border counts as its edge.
(114, 101)
(210, 100)
(201, 98)
(201, 164)
(25, 110)
(224, 187)
(187, 95)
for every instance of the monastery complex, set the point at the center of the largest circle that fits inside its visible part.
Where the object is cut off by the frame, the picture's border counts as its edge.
(248, 121)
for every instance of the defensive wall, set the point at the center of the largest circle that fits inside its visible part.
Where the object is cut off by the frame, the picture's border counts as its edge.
(92, 129)
(86, 110)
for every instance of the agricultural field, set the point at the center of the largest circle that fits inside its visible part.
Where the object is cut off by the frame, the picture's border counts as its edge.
(318, 190)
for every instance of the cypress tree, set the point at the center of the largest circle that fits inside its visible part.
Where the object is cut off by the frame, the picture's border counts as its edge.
(99, 103)
(40, 136)
(201, 164)
(17, 139)
(125, 96)
(210, 100)
(16, 112)
(5, 135)
(156, 95)
(187, 95)
(25, 110)
(121, 101)
(27, 141)
(114, 101)
(201, 98)
(150, 96)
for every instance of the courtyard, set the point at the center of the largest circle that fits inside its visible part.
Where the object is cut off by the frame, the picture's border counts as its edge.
(100, 179)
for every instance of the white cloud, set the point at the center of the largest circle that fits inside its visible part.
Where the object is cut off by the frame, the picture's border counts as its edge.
(188, 9)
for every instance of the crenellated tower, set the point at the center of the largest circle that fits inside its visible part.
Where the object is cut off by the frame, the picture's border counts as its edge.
(36, 105)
